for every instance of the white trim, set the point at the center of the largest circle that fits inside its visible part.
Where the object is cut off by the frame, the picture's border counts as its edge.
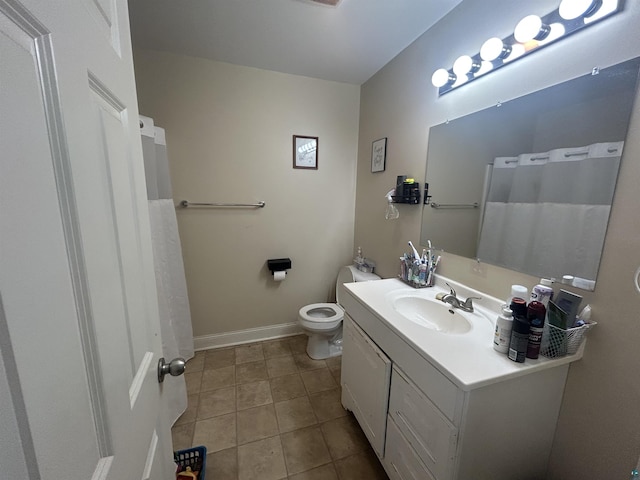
(227, 339)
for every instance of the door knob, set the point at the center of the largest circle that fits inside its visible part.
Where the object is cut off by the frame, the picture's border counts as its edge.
(174, 368)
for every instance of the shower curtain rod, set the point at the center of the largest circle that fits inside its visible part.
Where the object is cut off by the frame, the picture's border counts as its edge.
(186, 203)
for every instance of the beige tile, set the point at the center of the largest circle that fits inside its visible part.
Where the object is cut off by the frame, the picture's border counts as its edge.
(360, 466)
(194, 382)
(318, 380)
(344, 437)
(304, 449)
(195, 364)
(279, 366)
(249, 353)
(304, 362)
(337, 375)
(256, 423)
(325, 472)
(253, 395)
(327, 405)
(190, 413)
(276, 348)
(216, 433)
(287, 387)
(251, 372)
(182, 436)
(294, 414)
(335, 367)
(217, 402)
(222, 465)
(298, 344)
(261, 460)
(334, 363)
(212, 379)
(219, 358)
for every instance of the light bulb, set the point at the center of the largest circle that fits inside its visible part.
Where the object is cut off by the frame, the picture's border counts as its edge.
(494, 48)
(484, 68)
(570, 9)
(464, 64)
(530, 28)
(517, 51)
(608, 6)
(557, 30)
(441, 77)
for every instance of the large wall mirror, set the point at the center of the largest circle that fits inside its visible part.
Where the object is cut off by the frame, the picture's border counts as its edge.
(528, 184)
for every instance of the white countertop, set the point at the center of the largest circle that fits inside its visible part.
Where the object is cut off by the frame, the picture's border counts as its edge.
(468, 359)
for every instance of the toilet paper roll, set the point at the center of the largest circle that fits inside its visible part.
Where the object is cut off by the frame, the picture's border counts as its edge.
(279, 276)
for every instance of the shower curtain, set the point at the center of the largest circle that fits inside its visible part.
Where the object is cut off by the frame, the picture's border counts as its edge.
(173, 302)
(547, 213)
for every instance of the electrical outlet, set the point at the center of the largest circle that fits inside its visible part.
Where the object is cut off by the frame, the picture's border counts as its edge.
(478, 268)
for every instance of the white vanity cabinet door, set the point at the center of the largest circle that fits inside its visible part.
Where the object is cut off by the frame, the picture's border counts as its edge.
(400, 459)
(425, 428)
(365, 378)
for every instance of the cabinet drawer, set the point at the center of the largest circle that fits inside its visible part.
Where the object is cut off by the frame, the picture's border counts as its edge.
(400, 460)
(365, 378)
(432, 436)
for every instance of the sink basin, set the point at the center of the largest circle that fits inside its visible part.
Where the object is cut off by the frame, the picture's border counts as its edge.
(432, 314)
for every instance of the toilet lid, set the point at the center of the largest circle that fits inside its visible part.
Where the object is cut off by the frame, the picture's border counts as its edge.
(322, 312)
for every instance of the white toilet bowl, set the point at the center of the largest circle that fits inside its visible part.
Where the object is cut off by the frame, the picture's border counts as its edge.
(322, 322)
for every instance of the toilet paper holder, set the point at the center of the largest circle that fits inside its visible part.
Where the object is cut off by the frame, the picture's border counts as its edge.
(279, 264)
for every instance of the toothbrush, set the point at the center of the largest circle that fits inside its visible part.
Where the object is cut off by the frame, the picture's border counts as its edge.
(415, 252)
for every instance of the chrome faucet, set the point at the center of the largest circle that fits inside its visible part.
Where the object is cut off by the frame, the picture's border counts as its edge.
(452, 299)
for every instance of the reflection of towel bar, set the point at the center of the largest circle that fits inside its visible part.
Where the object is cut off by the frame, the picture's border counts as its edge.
(576, 154)
(454, 205)
(185, 204)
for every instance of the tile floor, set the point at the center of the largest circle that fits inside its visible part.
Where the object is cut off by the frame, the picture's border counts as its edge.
(267, 411)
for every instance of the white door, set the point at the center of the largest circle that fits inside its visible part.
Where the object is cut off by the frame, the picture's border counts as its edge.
(79, 329)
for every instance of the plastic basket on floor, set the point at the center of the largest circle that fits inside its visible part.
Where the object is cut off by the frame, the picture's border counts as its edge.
(557, 342)
(195, 457)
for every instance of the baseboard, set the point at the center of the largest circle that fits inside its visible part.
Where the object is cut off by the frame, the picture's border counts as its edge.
(250, 335)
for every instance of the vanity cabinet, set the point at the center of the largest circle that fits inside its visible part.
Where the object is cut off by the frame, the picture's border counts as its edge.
(365, 377)
(422, 426)
(425, 425)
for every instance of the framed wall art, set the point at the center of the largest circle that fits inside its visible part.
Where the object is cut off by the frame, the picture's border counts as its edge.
(378, 155)
(305, 152)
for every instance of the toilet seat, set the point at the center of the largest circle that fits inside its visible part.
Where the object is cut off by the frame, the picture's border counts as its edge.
(321, 316)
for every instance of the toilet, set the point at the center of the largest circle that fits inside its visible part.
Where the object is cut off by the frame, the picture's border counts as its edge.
(322, 322)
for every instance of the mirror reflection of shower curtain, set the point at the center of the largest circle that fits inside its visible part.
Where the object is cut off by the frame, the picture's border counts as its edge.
(173, 302)
(556, 205)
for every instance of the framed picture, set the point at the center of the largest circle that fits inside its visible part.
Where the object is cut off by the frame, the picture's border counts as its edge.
(305, 152)
(378, 155)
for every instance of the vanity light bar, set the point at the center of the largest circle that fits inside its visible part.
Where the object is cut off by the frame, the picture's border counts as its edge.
(531, 32)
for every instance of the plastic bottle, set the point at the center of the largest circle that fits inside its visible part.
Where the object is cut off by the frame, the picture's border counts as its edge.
(519, 291)
(504, 325)
(536, 313)
(519, 340)
(542, 292)
(518, 307)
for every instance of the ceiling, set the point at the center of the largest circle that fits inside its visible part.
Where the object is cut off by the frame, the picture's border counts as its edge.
(348, 43)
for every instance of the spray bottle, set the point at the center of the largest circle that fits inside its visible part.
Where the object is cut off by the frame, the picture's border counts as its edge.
(392, 212)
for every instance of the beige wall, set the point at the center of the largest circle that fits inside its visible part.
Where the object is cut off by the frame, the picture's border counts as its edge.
(598, 434)
(229, 137)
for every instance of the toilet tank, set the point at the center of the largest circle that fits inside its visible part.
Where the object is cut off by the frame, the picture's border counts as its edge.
(349, 274)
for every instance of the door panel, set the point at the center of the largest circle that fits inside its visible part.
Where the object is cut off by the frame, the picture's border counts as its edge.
(77, 284)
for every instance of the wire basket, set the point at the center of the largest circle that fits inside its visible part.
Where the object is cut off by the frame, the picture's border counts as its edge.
(195, 457)
(557, 342)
